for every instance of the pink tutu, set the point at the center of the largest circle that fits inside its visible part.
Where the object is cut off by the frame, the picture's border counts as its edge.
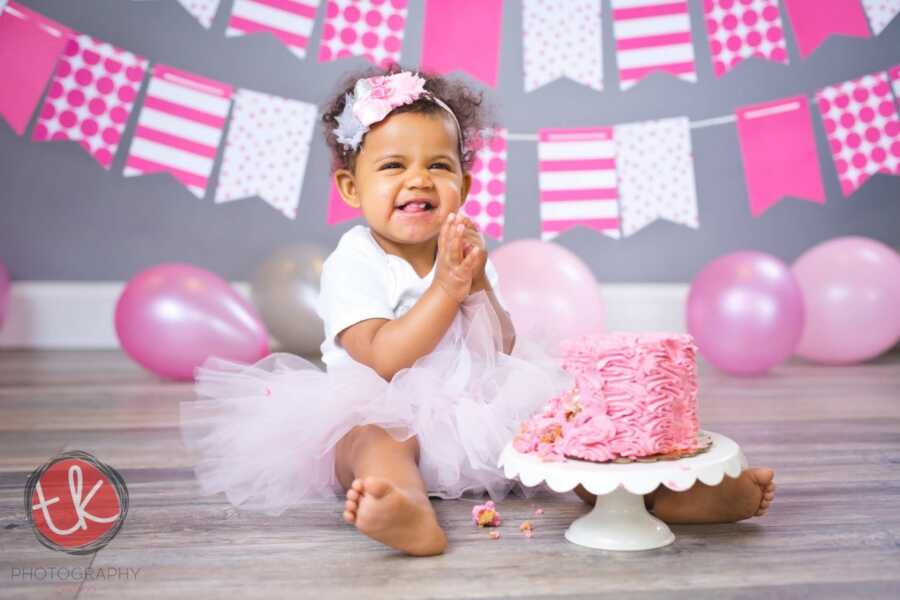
(265, 434)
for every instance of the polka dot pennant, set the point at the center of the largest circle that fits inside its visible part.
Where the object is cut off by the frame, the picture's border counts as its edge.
(655, 173)
(266, 150)
(91, 96)
(370, 28)
(487, 197)
(741, 29)
(860, 119)
(880, 13)
(562, 40)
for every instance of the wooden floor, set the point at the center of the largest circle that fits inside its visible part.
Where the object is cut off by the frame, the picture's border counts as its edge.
(832, 434)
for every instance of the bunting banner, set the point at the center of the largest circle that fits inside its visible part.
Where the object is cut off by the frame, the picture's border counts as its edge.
(779, 153)
(338, 210)
(880, 13)
(266, 150)
(369, 28)
(655, 172)
(812, 25)
(463, 35)
(652, 35)
(291, 21)
(562, 40)
(91, 96)
(30, 44)
(487, 196)
(860, 119)
(179, 128)
(741, 30)
(577, 180)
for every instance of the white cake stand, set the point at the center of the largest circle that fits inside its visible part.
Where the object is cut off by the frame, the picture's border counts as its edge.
(619, 520)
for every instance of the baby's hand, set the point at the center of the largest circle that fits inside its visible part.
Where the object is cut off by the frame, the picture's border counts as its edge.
(472, 240)
(455, 269)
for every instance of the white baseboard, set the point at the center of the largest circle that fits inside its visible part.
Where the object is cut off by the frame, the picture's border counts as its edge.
(63, 315)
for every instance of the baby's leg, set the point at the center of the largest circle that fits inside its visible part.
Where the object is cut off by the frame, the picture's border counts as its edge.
(732, 500)
(386, 497)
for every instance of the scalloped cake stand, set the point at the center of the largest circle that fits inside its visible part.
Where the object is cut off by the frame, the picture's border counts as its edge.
(619, 520)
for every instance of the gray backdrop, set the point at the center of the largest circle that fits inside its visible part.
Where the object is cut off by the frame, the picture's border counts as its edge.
(66, 218)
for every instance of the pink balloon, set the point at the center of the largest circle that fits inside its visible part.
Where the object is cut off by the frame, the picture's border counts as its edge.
(171, 317)
(851, 287)
(745, 311)
(550, 293)
(5, 288)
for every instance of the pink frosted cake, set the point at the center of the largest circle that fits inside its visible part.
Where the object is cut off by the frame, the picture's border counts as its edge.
(635, 396)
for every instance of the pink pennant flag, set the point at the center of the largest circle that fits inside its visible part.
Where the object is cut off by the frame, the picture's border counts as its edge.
(652, 35)
(813, 23)
(779, 152)
(338, 210)
(91, 96)
(860, 118)
(363, 28)
(487, 197)
(291, 21)
(741, 30)
(577, 179)
(30, 44)
(179, 128)
(463, 35)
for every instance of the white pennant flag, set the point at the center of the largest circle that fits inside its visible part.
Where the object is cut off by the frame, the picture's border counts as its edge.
(881, 13)
(562, 39)
(266, 150)
(202, 10)
(655, 173)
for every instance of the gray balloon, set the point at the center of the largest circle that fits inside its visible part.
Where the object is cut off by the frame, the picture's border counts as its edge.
(285, 289)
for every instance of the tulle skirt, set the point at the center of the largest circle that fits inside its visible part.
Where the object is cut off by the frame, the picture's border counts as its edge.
(265, 434)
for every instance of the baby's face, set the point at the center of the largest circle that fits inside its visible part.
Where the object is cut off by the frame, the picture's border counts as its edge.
(409, 178)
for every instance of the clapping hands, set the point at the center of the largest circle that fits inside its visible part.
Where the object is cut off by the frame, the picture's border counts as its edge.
(461, 257)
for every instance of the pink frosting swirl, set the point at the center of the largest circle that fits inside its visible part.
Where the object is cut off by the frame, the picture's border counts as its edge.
(635, 395)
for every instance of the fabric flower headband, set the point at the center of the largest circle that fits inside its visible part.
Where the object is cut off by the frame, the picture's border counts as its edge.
(374, 98)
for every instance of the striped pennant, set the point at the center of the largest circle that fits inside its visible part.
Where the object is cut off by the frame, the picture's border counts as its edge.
(179, 128)
(577, 180)
(291, 21)
(652, 35)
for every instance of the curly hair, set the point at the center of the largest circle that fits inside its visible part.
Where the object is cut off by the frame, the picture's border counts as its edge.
(468, 105)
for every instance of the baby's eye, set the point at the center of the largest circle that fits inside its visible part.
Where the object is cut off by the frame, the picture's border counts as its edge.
(390, 165)
(442, 166)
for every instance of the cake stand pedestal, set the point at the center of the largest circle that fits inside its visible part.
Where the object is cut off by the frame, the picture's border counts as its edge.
(619, 520)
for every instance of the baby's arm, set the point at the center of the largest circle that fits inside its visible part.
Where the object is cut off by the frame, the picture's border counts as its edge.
(387, 346)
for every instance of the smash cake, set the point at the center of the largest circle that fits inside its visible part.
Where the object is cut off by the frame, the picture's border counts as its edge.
(634, 399)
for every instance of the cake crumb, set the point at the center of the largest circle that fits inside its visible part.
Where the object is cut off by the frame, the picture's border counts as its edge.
(539, 511)
(486, 515)
(527, 528)
(494, 535)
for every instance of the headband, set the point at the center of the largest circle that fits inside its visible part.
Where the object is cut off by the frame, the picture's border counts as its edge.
(374, 98)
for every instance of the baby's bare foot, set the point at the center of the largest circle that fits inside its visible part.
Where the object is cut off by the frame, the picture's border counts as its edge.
(400, 518)
(750, 495)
